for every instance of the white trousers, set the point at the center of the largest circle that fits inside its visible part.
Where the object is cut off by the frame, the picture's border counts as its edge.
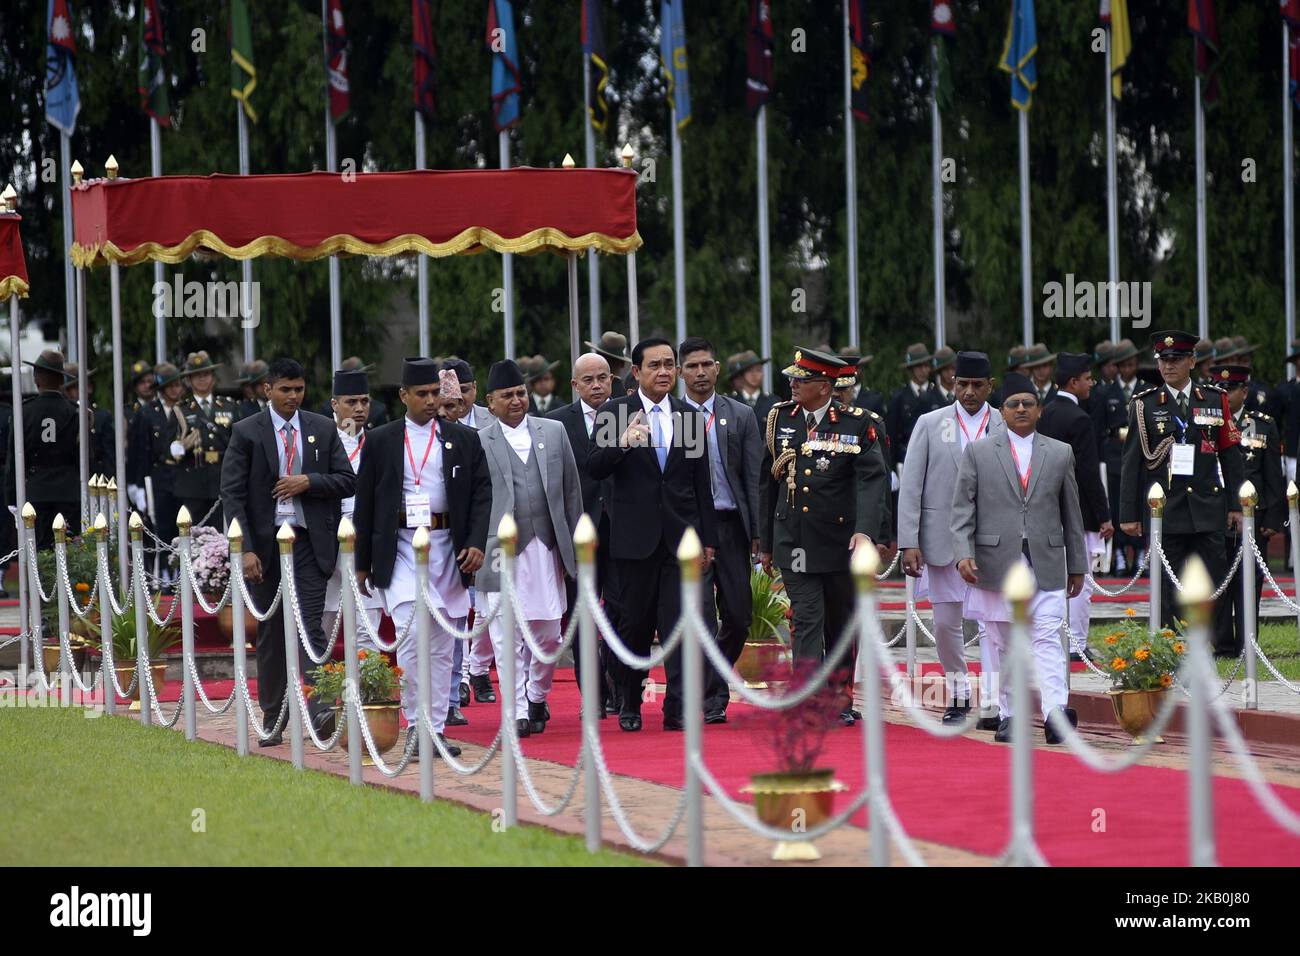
(439, 675)
(532, 677)
(478, 656)
(1046, 612)
(990, 661)
(1081, 603)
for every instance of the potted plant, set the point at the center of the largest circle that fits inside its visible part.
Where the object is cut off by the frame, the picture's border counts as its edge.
(766, 648)
(799, 794)
(1141, 664)
(158, 642)
(381, 691)
(83, 573)
(210, 558)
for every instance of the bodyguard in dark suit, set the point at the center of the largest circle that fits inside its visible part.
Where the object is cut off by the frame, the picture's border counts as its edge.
(286, 465)
(50, 437)
(735, 454)
(591, 383)
(651, 447)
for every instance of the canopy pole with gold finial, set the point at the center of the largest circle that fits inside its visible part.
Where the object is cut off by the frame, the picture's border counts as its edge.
(239, 636)
(1155, 567)
(141, 596)
(633, 312)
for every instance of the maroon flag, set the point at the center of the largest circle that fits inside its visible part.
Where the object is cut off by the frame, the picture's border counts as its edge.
(1200, 21)
(1291, 15)
(426, 59)
(860, 53)
(337, 66)
(758, 55)
(941, 20)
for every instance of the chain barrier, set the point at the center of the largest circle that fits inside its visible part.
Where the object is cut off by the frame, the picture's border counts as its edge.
(902, 631)
(249, 710)
(153, 701)
(197, 592)
(637, 841)
(61, 578)
(898, 554)
(911, 610)
(203, 696)
(36, 574)
(615, 643)
(251, 608)
(534, 646)
(340, 721)
(354, 700)
(1259, 653)
(288, 584)
(106, 648)
(1178, 585)
(435, 610)
(1268, 576)
(898, 685)
(106, 578)
(1142, 566)
(463, 769)
(1282, 815)
(372, 633)
(521, 766)
(149, 605)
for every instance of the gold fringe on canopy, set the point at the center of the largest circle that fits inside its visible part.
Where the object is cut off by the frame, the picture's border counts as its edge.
(12, 285)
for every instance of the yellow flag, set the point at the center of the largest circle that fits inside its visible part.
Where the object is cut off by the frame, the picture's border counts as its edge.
(1121, 44)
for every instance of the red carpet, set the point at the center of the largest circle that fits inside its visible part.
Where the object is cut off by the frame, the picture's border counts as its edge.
(954, 792)
(170, 692)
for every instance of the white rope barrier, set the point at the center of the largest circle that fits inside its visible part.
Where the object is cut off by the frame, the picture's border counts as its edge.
(465, 770)
(637, 841)
(621, 650)
(350, 694)
(521, 624)
(435, 611)
(526, 778)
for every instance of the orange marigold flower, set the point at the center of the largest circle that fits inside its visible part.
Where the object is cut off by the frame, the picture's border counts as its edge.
(1129, 612)
(1142, 653)
(1118, 664)
(82, 587)
(398, 671)
(1178, 647)
(1166, 680)
(1167, 633)
(361, 655)
(307, 690)
(1111, 639)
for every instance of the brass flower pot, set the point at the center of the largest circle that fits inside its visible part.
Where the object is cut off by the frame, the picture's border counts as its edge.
(1136, 710)
(758, 658)
(226, 623)
(799, 800)
(126, 671)
(385, 727)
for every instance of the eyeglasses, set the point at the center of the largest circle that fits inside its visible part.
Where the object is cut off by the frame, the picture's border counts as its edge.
(1018, 403)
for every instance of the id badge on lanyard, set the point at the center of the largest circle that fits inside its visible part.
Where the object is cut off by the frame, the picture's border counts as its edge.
(417, 510)
(284, 507)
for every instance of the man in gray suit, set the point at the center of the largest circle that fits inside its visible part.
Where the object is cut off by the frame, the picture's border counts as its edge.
(934, 454)
(535, 479)
(1016, 498)
(735, 454)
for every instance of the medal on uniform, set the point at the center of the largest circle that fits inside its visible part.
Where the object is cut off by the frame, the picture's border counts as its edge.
(823, 463)
(1160, 427)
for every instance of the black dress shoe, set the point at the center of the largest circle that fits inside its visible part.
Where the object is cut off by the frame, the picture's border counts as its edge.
(988, 723)
(1003, 736)
(629, 720)
(847, 718)
(956, 714)
(482, 685)
(273, 741)
(323, 724)
(673, 723)
(455, 718)
(523, 727)
(1050, 734)
(463, 693)
(716, 717)
(538, 715)
(451, 748)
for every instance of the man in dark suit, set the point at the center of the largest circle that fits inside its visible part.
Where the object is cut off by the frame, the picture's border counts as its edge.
(735, 454)
(50, 439)
(286, 465)
(423, 471)
(1064, 419)
(650, 446)
(591, 383)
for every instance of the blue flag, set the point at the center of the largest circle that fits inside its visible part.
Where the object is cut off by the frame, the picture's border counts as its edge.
(1019, 53)
(672, 57)
(62, 102)
(506, 82)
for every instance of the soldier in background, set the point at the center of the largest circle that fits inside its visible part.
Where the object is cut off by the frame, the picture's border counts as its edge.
(539, 376)
(860, 395)
(141, 384)
(1015, 363)
(150, 465)
(745, 372)
(943, 378)
(1109, 409)
(1103, 356)
(50, 438)
(203, 433)
(613, 346)
(1202, 358)
(252, 382)
(909, 401)
(103, 453)
(1040, 366)
(1261, 454)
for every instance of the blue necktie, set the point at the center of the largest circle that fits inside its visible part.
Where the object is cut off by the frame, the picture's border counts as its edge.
(656, 421)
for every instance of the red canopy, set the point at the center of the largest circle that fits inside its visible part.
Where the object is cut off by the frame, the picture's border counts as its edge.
(314, 215)
(13, 265)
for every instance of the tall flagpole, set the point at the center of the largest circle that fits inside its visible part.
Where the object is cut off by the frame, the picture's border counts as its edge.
(851, 195)
(422, 261)
(936, 191)
(764, 253)
(1202, 285)
(1112, 203)
(69, 282)
(247, 264)
(1288, 196)
(507, 262)
(331, 165)
(679, 235)
(1026, 256)
(593, 260)
(155, 169)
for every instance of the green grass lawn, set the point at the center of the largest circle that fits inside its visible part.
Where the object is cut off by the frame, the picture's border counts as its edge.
(1279, 641)
(109, 792)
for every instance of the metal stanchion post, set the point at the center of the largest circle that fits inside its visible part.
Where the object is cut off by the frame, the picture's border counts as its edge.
(284, 538)
(348, 608)
(184, 521)
(1155, 566)
(235, 536)
(420, 542)
(141, 595)
(1293, 525)
(689, 554)
(65, 663)
(1018, 589)
(909, 590)
(1249, 499)
(584, 540)
(866, 561)
(33, 623)
(100, 532)
(25, 597)
(508, 536)
(1197, 588)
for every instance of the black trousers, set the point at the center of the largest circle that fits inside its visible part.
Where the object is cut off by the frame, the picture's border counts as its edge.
(822, 605)
(272, 669)
(651, 600)
(726, 595)
(199, 508)
(606, 663)
(165, 506)
(45, 513)
(1230, 608)
(1208, 546)
(1121, 539)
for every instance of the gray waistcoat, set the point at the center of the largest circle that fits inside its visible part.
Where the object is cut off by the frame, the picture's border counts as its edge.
(532, 516)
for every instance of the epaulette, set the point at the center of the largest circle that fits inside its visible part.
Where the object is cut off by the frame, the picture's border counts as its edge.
(875, 415)
(1145, 392)
(1258, 414)
(1212, 387)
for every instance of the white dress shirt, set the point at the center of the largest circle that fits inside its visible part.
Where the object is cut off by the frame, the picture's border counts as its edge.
(588, 416)
(665, 414)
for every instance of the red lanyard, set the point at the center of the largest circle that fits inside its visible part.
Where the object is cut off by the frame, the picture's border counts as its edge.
(978, 431)
(709, 421)
(361, 444)
(1024, 479)
(290, 446)
(406, 437)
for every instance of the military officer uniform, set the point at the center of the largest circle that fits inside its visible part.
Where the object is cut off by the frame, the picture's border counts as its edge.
(1261, 465)
(868, 399)
(203, 433)
(908, 403)
(252, 375)
(844, 386)
(150, 464)
(1186, 441)
(134, 402)
(103, 453)
(737, 365)
(50, 441)
(822, 481)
